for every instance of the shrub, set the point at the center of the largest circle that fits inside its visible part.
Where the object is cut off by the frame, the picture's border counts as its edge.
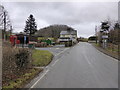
(15, 62)
(22, 58)
(8, 64)
(42, 44)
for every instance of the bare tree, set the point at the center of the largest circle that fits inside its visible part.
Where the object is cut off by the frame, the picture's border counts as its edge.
(5, 24)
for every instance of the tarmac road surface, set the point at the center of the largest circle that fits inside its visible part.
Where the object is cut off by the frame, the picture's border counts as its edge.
(81, 66)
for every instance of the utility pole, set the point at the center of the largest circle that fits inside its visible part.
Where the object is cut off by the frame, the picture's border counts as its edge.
(119, 43)
(11, 29)
(96, 33)
(4, 31)
(5, 22)
(100, 38)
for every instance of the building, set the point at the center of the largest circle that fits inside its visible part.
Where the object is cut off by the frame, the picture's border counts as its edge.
(69, 35)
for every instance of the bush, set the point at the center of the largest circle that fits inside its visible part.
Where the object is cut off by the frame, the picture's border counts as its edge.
(68, 44)
(22, 58)
(42, 44)
(14, 63)
(8, 64)
(92, 38)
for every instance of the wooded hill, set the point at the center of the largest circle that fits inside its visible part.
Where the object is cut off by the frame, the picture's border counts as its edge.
(53, 31)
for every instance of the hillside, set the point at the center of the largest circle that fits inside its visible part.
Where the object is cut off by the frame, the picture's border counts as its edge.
(53, 30)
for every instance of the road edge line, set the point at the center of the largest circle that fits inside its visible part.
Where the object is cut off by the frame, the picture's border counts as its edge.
(39, 79)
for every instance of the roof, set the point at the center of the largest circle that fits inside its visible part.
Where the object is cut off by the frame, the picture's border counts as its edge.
(68, 32)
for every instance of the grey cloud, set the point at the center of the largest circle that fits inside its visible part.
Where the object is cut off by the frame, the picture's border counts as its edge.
(82, 16)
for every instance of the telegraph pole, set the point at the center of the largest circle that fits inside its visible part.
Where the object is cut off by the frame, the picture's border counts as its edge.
(119, 43)
(11, 29)
(4, 31)
(96, 33)
(4, 22)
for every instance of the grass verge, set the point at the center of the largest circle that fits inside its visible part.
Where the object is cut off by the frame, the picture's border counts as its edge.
(41, 57)
(107, 51)
(22, 80)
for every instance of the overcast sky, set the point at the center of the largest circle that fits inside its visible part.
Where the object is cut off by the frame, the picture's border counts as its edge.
(82, 16)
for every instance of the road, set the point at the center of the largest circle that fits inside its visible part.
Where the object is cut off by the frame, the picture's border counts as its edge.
(55, 50)
(81, 66)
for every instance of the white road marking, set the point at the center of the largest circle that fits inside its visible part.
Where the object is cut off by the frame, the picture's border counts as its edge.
(46, 67)
(88, 61)
(57, 48)
(40, 78)
(61, 52)
(55, 62)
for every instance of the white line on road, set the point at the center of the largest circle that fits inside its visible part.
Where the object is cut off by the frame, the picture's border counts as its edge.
(55, 62)
(61, 52)
(48, 69)
(40, 78)
(57, 48)
(88, 60)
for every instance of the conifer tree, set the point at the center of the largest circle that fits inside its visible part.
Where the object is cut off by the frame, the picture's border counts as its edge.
(31, 26)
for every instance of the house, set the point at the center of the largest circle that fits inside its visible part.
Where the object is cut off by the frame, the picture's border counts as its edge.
(69, 35)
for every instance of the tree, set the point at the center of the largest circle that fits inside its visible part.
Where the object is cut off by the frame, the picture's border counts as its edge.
(5, 24)
(31, 26)
(93, 38)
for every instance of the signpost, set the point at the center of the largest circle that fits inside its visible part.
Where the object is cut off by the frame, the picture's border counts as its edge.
(105, 38)
(25, 38)
(105, 28)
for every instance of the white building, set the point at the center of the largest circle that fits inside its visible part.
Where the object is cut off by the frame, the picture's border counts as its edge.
(68, 36)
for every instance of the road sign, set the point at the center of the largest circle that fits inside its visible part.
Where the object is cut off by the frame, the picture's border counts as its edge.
(25, 38)
(105, 36)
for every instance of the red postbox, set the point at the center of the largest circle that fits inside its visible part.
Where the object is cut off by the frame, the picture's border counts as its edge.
(13, 39)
